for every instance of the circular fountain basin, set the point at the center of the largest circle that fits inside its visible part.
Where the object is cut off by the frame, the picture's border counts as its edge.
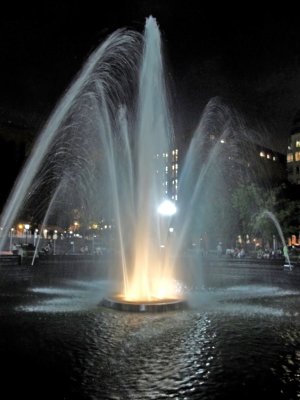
(117, 303)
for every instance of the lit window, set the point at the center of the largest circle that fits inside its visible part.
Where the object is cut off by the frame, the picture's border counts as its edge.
(274, 158)
(262, 154)
(297, 156)
(297, 143)
(268, 156)
(290, 157)
(222, 141)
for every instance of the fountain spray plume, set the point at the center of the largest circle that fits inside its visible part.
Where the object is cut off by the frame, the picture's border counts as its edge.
(106, 141)
(273, 218)
(154, 133)
(64, 121)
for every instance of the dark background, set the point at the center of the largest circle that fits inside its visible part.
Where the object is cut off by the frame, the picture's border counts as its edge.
(248, 56)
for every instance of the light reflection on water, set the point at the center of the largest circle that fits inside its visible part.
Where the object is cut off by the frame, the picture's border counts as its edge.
(237, 340)
(86, 295)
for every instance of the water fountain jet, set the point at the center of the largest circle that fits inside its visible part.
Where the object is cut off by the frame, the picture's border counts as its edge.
(108, 136)
(272, 217)
(109, 150)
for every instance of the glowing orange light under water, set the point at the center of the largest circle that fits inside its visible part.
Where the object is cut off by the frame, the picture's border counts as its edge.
(152, 291)
(151, 282)
(152, 276)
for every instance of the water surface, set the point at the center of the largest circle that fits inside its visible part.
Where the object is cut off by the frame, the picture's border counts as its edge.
(239, 338)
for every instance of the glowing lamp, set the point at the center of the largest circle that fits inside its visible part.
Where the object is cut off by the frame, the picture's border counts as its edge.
(167, 208)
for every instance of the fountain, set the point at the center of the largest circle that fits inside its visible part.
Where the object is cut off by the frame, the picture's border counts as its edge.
(287, 264)
(107, 150)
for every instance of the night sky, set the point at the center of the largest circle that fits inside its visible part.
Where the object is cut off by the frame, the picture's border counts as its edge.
(249, 57)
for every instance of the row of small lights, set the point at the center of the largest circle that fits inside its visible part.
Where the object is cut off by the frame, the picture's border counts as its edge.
(262, 154)
(21, 227)
(165, 208)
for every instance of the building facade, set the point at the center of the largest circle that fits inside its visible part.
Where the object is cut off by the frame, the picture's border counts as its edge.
(168, 171)
(293, 158)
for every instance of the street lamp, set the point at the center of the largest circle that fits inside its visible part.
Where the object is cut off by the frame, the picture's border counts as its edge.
(36, 231)
(26, 226)
(166, 209)
(76, 226)
(11, 236)
(54, 241)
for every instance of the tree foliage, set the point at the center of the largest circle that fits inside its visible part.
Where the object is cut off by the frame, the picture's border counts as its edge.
(250, 203)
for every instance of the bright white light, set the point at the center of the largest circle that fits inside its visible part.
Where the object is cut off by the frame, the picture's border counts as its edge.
(167, 208)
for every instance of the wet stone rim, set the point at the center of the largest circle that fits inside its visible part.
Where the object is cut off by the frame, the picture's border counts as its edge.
(159, 306)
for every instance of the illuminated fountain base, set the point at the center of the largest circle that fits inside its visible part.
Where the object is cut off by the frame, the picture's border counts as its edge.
(116, 302)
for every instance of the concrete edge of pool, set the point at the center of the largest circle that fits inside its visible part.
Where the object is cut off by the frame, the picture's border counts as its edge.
(144, 306)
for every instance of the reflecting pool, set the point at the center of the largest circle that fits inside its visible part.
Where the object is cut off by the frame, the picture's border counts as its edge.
(238, 339)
